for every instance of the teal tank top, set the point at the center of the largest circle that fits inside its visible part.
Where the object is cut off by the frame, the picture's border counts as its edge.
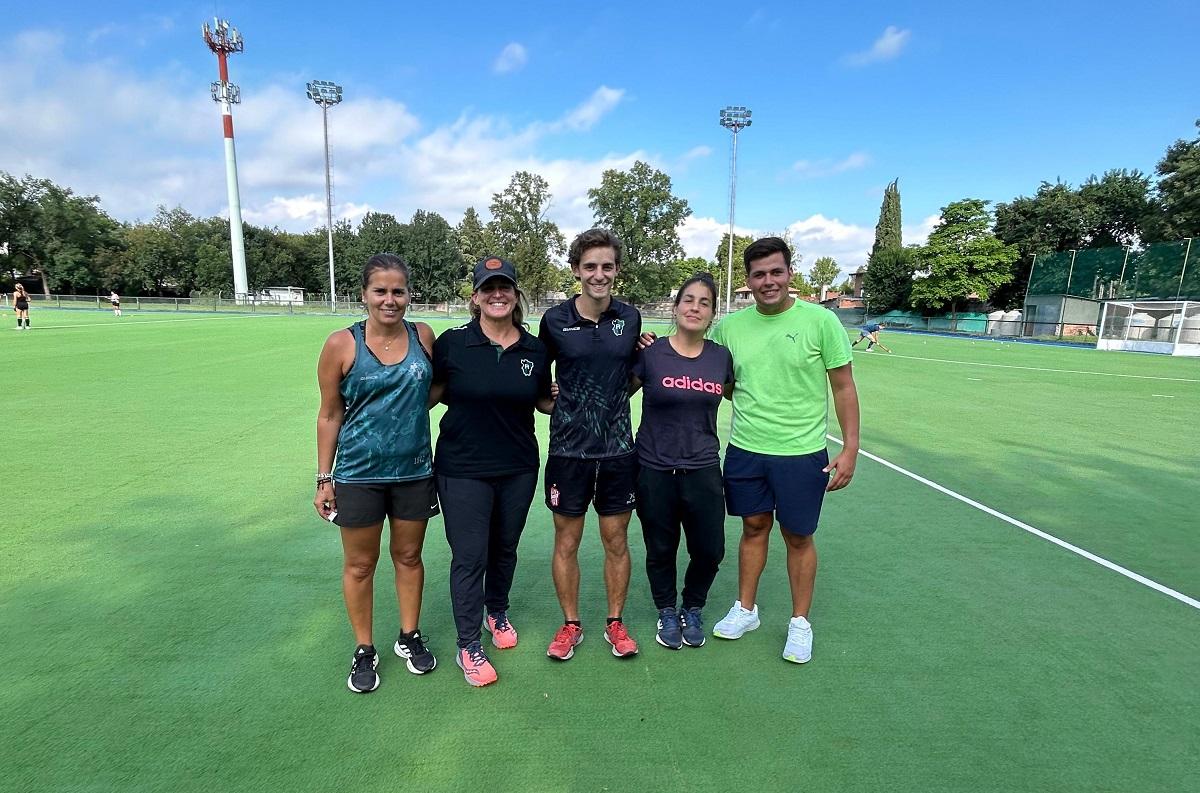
(385, 432)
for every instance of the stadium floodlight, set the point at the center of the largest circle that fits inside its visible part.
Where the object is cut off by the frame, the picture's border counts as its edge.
(224, 40)
(1183, 270)
(734, 118)
(327, 94)
(1062, 309)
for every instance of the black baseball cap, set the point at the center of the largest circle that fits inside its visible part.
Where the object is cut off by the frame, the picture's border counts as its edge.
(494, 267)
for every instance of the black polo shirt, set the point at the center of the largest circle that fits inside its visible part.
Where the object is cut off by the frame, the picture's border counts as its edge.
(592, 363)
(490, 396)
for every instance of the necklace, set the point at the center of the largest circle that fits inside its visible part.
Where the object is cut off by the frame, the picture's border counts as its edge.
(387, 345)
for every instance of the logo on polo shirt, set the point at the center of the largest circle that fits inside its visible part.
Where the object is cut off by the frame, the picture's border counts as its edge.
(688, 384)
(618, 327)
(526, 367)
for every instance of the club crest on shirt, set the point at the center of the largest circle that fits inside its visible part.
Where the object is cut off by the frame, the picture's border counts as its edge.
(618, 327)
(526, 367)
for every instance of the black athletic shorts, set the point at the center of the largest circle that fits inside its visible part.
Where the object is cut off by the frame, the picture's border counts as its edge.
(610, 484)
(360, 505)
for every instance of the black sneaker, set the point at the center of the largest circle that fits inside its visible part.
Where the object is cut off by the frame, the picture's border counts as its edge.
(363, 677)
(668, 629)
(693, 627)
(412, 646)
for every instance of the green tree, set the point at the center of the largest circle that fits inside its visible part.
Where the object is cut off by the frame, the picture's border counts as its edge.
(435, 263)
(740, 244)
(524, 233)
(473, 238)
(888, 228)
(888, 281)
(962, 257)
(1177, 199)
(213, 261)
(1120, 207)
(54, 233)
(823, 273)
(637, 206)
(348, 258)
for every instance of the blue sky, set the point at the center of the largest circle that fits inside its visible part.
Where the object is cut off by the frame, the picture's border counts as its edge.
(445, 101)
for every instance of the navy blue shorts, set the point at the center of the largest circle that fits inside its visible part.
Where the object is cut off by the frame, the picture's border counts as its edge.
(791, 487)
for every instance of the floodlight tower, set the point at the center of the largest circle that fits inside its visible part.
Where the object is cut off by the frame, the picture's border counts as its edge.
(223, 40)
(327, 95)
(734, 118)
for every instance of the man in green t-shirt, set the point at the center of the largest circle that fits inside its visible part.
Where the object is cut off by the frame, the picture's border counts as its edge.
(776, 465)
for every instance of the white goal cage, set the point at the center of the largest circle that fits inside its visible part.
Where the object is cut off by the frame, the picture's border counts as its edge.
(1171, 327)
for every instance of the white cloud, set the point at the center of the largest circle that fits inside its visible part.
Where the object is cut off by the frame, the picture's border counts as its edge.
(137, 31)
(812, 169)
(697, 152)
(701, 236)
(307, 210)
(512, 58)
(598, 105)
(917, 234)
(888, 46)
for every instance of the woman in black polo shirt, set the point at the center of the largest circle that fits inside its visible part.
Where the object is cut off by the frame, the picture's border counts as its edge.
(683, 378)
(492, 374)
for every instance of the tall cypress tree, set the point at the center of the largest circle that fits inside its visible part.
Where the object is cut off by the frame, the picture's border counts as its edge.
(887, 230)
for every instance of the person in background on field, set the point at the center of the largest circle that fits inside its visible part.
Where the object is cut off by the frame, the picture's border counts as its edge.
(592, 339)
(374, 459)
(776, 465)
(115, 299)
(21, 306)
(492, 374)
(870, 332)
(682, 377)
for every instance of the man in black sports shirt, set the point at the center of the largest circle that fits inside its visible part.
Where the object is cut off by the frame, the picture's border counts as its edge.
(592, 340)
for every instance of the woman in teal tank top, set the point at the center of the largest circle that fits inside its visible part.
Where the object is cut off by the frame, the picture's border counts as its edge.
(374, 459)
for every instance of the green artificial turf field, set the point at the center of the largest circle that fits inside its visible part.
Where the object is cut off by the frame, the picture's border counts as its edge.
(172, 620)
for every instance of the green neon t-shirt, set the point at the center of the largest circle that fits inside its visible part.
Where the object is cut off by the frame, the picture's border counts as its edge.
(780, 399)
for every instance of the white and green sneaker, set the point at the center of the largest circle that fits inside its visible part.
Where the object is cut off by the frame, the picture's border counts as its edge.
(798, 648)
(736, 622)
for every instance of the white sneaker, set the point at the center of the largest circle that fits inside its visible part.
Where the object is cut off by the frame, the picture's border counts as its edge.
(798, 648)
(736, 622)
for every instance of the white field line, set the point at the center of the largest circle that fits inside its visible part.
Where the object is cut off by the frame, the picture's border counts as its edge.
(1164, 396)
(1043, 369)
(1141, 579)
(115, 322)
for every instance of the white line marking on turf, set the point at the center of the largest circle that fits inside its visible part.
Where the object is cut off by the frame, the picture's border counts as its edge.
(976, 379)
(1044, 369)
(1164, 396)
(117, 322)
(1100, 560)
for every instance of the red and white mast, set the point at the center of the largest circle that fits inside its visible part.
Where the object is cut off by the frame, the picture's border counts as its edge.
(223, 40)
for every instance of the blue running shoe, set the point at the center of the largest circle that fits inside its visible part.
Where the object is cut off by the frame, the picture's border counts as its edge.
(693, 626)
(670, 634)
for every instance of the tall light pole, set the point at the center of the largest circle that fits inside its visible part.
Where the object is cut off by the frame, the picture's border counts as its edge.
(734, 118)
(224, 40)
(327, 95)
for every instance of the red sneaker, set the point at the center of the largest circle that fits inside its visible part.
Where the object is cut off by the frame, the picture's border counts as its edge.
(622, 643)
(504, 635)
(476, 667)
(563, 645)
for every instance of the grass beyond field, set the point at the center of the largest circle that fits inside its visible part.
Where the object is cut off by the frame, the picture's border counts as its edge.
(172, 617)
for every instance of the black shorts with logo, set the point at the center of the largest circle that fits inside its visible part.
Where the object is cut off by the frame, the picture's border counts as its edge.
(610, 484)
(360, 505)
